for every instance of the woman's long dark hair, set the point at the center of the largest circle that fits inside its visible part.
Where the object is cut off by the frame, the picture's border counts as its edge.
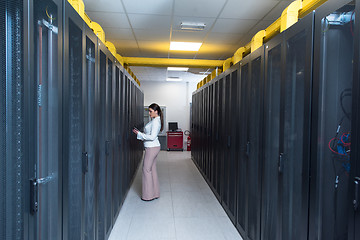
(156, 107)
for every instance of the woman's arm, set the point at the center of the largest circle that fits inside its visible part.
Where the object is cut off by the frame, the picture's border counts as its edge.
(155, 129)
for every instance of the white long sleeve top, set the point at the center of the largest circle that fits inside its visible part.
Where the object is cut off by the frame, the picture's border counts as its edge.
(150, 134)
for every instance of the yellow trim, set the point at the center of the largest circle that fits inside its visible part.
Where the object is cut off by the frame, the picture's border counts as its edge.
(79, 6)
(87, 20)
(98, 31)
(309, 5)
(258, 40)
(111, 47)
(172, 62)
(238, 56)
(272, 30)
(290, 15)
(227, 64)
(120, 59)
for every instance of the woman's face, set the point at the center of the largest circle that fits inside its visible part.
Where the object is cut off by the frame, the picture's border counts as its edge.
(153, 113)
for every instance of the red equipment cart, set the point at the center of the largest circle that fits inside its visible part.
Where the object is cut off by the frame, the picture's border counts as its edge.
(174, 140)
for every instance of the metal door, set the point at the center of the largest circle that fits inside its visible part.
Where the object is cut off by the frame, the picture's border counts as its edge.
(232, 141)
(46, 185)
(101, 145)
(254, 145)
(332, 173)
(14, 110)
(116, 141)
(242, 210)
(89, 156)
(294, 165)
(74, 128)
(272, 125)
(108, 146)
(354, 216)
(226, 125)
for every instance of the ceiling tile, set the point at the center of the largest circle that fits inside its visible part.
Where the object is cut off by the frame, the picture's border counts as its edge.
(233, 26)
(217, 48)
(118, 20)
(152, 35)
(129, 52)
(198, 8)
(223, 38)
(119, 33)
(207, 21)
(247, 9)
(156, 46)
(161, 7)
(123, 47)
(187, 36)
(182, 55)
(104, 6)
(146, 53)
(145, 21)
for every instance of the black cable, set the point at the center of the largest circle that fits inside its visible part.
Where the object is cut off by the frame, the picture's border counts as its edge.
(345, 93)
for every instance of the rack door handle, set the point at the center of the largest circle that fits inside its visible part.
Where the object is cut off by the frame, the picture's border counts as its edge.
(281, 163)
(356, 193)
(85, 162)
(248, 148)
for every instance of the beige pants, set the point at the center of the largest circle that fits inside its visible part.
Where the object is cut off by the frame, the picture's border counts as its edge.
(150, 181)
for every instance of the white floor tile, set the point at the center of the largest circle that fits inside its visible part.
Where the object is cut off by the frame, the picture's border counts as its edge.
(186, 210)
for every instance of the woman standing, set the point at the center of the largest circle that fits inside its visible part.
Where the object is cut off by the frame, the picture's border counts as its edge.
(150, 181)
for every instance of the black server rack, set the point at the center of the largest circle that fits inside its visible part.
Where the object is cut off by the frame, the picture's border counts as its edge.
(13, 117)
(74, 125)
(101, 145)
(108, 145)
(115, 139)
(332, 132)
(89, 155)
(295, 177)
(270, 226)
(59, 157)
(242, 182)
(225, 129)
(44, 117)
(217, 148)
(295, 149)
(212, 114)
(354, 213)
(254, 144)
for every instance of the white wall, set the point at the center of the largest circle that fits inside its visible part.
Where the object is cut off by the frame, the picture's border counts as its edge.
(176, 96)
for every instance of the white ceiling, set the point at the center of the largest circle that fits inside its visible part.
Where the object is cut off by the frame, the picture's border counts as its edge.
(144, 28)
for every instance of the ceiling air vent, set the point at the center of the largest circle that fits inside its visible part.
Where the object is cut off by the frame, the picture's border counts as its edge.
(192, 26)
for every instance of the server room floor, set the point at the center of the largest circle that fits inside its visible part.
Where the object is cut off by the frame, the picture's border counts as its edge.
(186, 210)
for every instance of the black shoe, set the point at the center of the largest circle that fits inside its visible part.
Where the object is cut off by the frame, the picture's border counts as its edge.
(149, 199)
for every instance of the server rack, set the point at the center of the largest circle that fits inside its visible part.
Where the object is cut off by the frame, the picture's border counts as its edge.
(294, 165)
(270, 219)
(333, 120)
(74, 104)
(254, 144)
(242, 183)
(285, 188)
(44, 116)
(14, 115)
(90, 155)
(52, 163)
(354, 213)
(217, 147)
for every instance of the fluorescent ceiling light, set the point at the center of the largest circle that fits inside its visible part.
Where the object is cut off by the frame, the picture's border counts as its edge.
(173, 79)
(185, 46)
(192, 26)
(180, 69)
